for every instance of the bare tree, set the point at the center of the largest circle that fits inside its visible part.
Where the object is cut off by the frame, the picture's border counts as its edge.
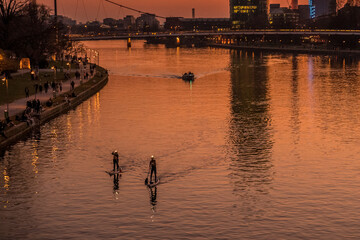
(10, 10)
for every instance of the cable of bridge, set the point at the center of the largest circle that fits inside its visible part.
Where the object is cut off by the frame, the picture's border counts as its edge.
(133, 9)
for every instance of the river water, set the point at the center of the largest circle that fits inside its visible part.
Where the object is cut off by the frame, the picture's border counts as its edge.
(259, 146)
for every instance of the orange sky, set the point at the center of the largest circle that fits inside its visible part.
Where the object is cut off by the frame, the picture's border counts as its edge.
(204, 8)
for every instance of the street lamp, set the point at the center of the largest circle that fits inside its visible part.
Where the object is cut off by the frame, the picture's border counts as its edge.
(6, 113)
(54, 68)
(69, 65)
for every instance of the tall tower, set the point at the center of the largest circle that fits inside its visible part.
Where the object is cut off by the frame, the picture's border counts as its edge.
(249, 13)
(294, 4)
(312, 9)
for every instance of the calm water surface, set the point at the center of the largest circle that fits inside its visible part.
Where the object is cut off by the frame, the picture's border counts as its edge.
(259, 146)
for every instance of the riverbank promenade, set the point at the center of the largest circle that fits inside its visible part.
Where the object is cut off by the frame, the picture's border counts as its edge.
(19, 105)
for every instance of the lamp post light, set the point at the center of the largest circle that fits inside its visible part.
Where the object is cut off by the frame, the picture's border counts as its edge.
(6, 113)
(54, 68)
(69, 66)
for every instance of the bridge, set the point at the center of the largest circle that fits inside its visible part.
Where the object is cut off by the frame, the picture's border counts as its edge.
(323, 38)
(267, 32)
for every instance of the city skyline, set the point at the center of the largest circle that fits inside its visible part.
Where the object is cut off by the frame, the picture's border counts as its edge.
(100, 9)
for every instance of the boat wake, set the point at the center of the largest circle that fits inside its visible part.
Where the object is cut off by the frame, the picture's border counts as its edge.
(171, 76)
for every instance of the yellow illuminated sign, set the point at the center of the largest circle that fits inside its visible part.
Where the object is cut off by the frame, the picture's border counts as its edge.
(244, 9)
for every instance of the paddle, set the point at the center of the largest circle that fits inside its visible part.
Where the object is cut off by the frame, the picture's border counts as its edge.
(147, 176)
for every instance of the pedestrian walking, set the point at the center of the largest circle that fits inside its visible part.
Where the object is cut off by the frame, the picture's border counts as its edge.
(26, 92)
(36, 86)
(46, 86)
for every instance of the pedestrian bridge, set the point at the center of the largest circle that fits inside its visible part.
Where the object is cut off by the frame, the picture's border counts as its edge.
(303, 32)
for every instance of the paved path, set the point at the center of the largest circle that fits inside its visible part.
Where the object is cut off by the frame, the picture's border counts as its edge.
(19, 105)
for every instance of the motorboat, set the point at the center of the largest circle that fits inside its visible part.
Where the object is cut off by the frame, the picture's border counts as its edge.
(188, 76)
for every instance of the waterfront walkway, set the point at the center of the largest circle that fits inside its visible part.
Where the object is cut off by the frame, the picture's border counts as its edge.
(19, 105)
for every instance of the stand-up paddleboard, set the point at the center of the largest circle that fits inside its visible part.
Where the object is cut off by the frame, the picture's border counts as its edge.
(114, 172)
(150, 185)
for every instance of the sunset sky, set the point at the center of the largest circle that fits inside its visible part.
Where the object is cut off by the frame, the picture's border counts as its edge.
(167, 8)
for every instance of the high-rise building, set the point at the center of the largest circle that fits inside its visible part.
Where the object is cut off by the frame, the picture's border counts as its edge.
(304, 13)
(129, 22)
(249, 13)
(294, 4)
(311, 9)
(147, 22)
(324, 7)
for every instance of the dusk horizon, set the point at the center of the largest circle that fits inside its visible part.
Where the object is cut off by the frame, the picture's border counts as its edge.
(95, 8)
(194, 119)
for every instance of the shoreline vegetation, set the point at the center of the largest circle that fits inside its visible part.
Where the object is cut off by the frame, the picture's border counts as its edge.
(16, 130)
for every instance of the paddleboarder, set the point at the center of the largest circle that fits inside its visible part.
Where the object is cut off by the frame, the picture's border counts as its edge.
(116, 161)
(152, 168)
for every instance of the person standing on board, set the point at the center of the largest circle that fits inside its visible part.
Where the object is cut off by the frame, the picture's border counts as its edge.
(152, 168)
(116, 161)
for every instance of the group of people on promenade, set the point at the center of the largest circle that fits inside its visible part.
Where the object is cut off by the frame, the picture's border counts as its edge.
(55, 86)
(31, 112)
(34, 107)
(152, 168)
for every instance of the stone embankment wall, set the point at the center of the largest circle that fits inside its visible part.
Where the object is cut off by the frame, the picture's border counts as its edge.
(22, 130)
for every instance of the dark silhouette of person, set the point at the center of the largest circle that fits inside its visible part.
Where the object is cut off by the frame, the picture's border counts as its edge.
(72, 85)
(2, 129)
(116, 161)
(46, 86)
(27, 92)
(152, 167)
(36, 86)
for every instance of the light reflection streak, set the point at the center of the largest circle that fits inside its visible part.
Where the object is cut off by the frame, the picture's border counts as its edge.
(54, 147)
(6, 180)
(310, 71)
(89, 112)
(35, 156)
(96, 107)
(6, 185)
(81, 122)
(68, 128)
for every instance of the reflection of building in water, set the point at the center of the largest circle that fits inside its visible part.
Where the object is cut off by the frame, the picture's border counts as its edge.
(249, 137)
(5, 182)
(295, 116)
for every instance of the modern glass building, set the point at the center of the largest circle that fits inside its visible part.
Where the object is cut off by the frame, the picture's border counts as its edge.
(249, 13)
